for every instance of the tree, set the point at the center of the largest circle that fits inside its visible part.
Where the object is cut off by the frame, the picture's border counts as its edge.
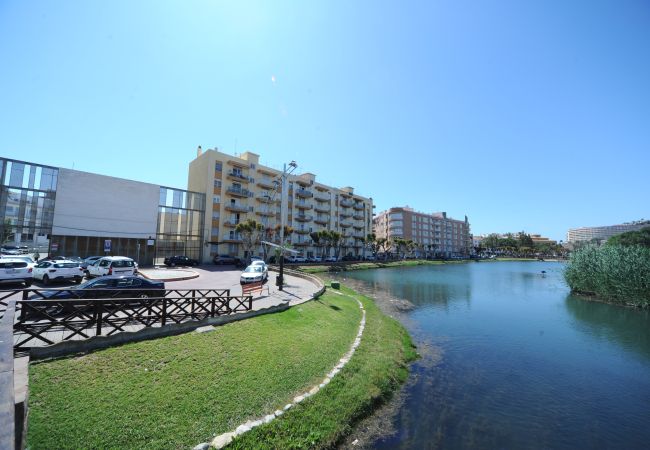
(372, 244)
(640, 237)
(524, 240)
(383, 244)
(251, 234)
(6, 231)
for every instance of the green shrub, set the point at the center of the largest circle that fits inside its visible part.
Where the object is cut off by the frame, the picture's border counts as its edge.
(620, 274)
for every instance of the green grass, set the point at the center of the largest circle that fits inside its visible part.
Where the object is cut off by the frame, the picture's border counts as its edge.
(178, 391)
(376, 370)
(338, 267)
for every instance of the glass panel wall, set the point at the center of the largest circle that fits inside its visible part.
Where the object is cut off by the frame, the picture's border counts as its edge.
(27, 196)
(180, 224)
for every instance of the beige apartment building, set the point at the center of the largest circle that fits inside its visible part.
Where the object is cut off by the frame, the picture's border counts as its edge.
(434, 233)
(239, 188)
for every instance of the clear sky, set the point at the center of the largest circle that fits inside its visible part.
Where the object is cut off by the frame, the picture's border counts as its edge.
(523, 115)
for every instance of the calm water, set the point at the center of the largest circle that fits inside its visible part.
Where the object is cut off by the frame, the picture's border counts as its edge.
(511, 360)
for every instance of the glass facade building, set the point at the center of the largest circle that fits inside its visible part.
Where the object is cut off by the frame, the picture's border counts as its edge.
(27, 197)
(180, 224)
(32, 218)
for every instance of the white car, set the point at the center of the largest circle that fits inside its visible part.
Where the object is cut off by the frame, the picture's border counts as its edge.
(28, 259)
(254, 273)
(258, 263)
(15, 271)
(112, 265)
(48, 271)
(331, 259)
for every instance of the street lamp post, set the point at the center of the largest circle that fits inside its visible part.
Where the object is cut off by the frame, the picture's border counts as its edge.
(284, 201)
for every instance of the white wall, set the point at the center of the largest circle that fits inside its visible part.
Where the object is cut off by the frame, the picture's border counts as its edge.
(88, 204)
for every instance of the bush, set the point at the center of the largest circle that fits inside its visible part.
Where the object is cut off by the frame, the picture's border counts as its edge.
(620, 274)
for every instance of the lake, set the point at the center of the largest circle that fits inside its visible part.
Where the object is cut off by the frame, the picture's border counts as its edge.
(511, 360)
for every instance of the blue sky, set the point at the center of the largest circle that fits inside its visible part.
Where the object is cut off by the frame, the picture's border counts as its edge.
(523, 115)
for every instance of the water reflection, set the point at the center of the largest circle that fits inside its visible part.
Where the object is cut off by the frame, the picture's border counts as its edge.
(626, 327)
(421, 286)
(516, 362)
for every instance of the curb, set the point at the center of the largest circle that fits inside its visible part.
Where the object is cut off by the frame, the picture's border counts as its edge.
(189, 277)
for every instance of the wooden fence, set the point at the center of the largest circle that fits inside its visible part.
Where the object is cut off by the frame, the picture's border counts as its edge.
(42, 322)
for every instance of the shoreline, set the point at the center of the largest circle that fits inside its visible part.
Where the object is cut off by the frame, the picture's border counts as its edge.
(365, 265)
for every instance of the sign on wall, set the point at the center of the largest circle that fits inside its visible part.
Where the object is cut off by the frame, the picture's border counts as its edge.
(107, 245)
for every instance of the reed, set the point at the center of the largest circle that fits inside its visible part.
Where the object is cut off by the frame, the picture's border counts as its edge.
(614, 273)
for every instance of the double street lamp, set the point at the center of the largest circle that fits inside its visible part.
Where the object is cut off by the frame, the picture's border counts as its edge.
(284, 201)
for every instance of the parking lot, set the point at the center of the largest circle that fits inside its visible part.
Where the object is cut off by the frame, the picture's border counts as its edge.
(295, 291)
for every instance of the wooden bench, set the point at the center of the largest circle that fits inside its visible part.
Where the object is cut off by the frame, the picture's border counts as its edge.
(251, 288)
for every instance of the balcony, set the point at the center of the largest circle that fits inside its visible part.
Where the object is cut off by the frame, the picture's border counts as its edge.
(303, 218)
(358, 226)
(299, 231)
(239, 192)
(265, 199)
(266, 184)
(303, 206)
(345, 224)
(358, 206)
(265, 213)
(358, 217)
(237, 208)
(233, 239)
(321, 198)
(321, 209)
(345, 214)
(321, 220)
(304, 193)
(238, 177)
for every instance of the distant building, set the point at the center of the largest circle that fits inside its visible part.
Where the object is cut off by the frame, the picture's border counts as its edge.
(604, 232)
(435, 233)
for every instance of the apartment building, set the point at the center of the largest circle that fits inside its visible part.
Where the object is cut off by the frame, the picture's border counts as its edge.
(604, 232)
(435, 232)
(239, 188)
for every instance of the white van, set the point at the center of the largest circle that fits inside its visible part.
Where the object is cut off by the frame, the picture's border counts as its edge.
(15, 271)
(111, 265)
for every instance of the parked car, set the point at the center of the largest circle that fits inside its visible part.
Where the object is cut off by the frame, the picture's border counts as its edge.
(331, 259)
(10, 250)
(48, 271)
(180, 261)
(259, 263)
(225, 259)
(126, 286)
(15, 271)
(296, 259)
(111, 265)
(370, 258)
(90, 260)
(256, 258)
(254, 273)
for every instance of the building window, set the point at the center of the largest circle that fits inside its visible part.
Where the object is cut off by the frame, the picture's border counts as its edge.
(217, 183)
(218, 167)
(216, 199)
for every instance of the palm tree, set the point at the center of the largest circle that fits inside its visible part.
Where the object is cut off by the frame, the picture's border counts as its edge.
(251, 234)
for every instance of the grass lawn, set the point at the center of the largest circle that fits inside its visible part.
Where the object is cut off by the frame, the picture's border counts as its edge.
(369, 265)
(179, 391)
